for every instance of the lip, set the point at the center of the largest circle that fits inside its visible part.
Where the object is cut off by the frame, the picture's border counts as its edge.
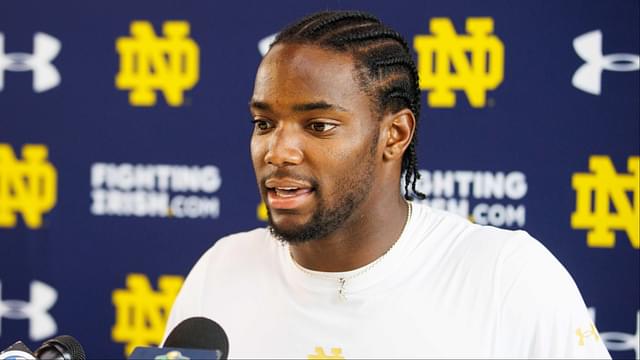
(272, 183)
(287, 193)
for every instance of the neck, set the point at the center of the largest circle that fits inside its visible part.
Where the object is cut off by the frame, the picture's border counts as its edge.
(369, 232)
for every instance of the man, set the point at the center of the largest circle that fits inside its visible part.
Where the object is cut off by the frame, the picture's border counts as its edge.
(348, 267)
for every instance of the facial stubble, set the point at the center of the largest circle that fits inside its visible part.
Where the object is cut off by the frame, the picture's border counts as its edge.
(350, 193)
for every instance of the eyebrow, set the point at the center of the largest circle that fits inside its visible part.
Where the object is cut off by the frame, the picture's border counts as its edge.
(318, 105)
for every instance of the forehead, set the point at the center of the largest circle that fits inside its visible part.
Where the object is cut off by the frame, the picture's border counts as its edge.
(291, 74)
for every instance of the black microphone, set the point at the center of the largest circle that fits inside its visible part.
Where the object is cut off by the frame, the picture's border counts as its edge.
(199, 333)
(196, 338)
(63, 347)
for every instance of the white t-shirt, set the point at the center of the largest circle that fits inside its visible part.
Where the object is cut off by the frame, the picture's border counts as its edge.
(447, 289)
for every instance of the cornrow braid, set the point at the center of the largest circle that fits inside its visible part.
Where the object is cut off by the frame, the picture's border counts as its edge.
(374, 34)
(296, 27)
(321, 26)
(386, 70)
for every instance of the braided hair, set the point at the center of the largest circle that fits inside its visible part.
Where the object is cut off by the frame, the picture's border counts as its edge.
(386, 70)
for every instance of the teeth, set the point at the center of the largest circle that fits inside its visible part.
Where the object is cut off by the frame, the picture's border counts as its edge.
(286, 192)
(287, 188)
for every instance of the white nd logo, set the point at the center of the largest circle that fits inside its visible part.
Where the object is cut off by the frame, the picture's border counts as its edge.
(445, 51)
(149, 63)
(595, 191)
(141, 312)
(28, 186)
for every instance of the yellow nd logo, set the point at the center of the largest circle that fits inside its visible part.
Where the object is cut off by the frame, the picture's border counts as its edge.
(141, 312)
(149, 63)
(447, 61)
(262, 212)
(598, 193)
(336, 354)
(28, 186)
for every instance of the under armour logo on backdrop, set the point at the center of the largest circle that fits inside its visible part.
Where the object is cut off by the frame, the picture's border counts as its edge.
(265, 43)
(45, 74)
(41, 323)
(589, 47)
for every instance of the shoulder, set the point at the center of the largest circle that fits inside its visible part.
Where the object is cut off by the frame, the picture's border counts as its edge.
(501, 257)
(538, 307)
(248, 240)
(230, 257)
(454, 234)
(224, 265)
(237, 250)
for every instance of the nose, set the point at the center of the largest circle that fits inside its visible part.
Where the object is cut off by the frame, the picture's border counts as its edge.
(283, 148)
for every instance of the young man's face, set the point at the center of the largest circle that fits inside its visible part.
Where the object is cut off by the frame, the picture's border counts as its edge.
(314, 144)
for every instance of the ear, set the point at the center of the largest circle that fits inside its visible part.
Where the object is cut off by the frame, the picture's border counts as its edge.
(398, 131)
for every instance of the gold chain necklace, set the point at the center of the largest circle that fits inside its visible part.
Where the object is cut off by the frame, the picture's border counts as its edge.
(343, 280)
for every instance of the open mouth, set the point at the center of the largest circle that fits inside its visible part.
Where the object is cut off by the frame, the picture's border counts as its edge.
(287, 194)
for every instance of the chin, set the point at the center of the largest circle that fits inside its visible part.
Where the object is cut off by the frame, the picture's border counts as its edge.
(290, 232)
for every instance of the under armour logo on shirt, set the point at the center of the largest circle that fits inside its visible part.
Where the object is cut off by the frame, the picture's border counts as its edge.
(45, 49)
(591, 332)
(41, 323)
(588, 77)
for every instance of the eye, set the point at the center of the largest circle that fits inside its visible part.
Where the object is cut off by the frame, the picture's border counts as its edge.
(261, 124)
(321, 127)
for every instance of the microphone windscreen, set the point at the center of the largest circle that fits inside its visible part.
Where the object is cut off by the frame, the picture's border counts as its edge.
(61, 347)
(199, 333)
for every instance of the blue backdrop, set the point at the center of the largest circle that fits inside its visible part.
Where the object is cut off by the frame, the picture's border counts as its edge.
(124, 146)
